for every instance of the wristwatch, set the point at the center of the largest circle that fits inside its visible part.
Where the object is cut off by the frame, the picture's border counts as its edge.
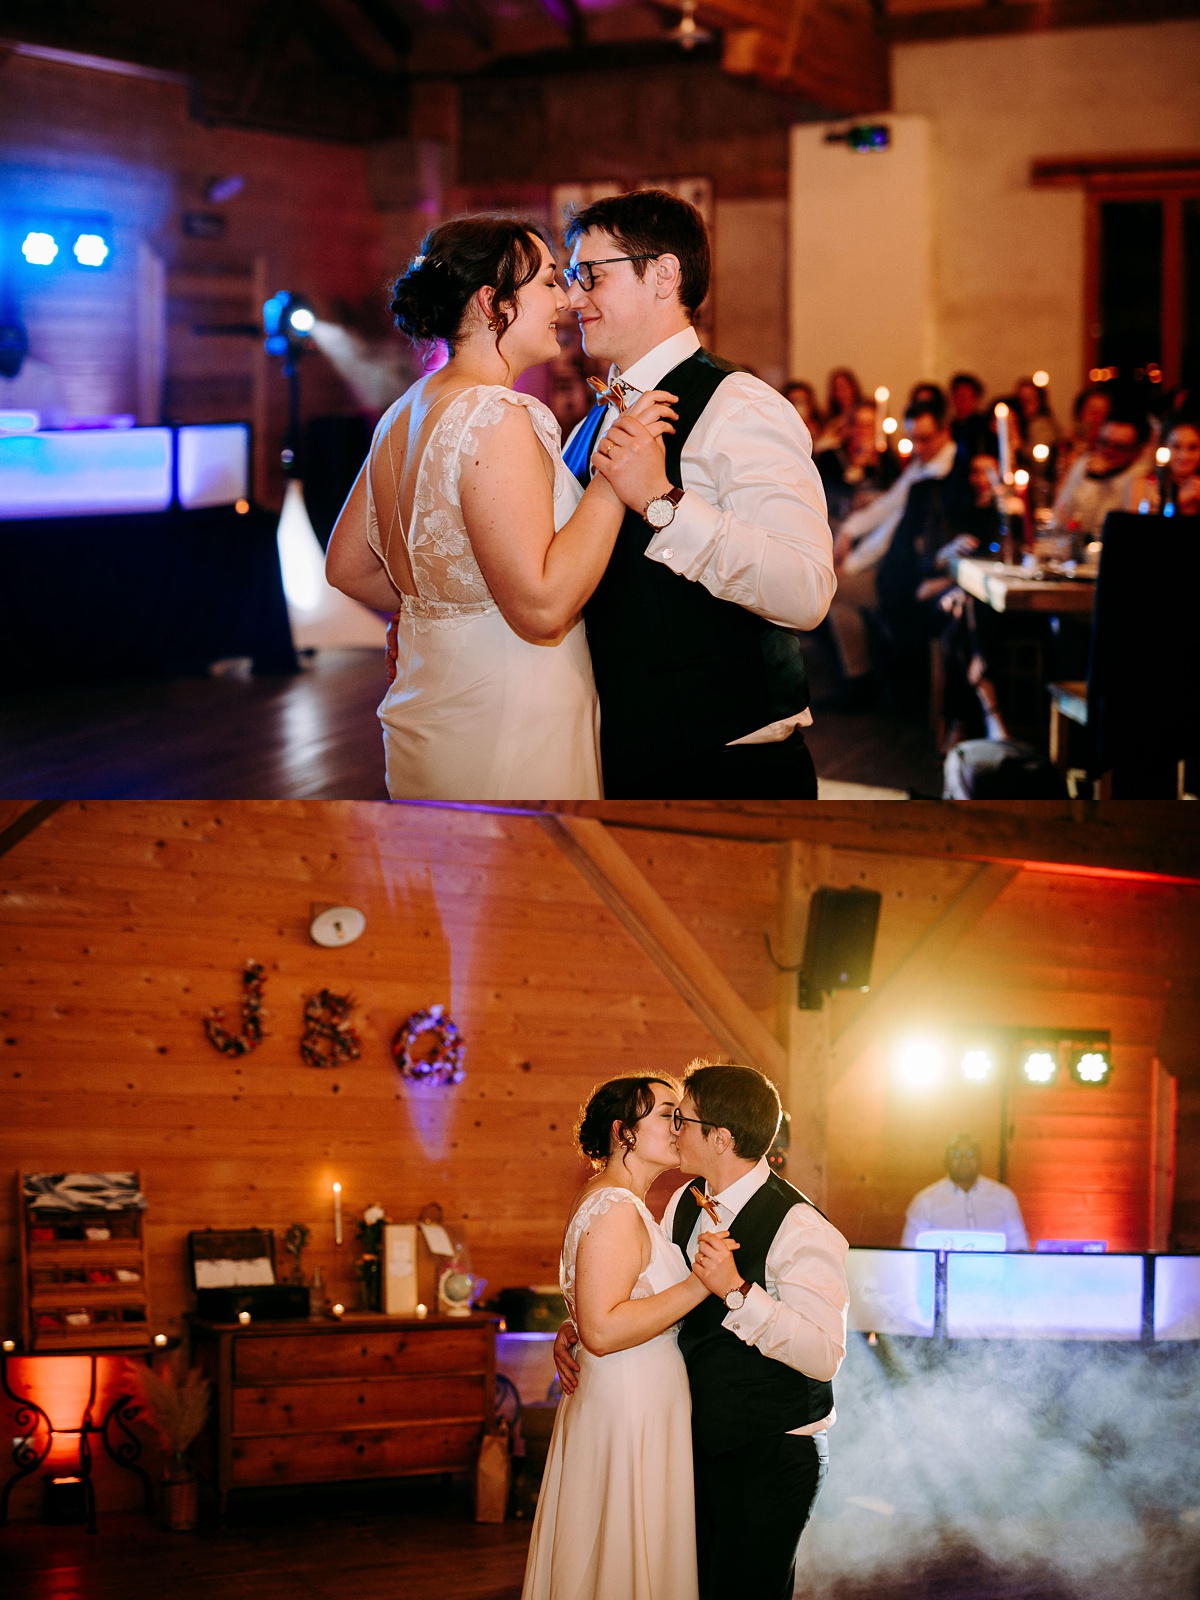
(736, 1298)
(660, 513)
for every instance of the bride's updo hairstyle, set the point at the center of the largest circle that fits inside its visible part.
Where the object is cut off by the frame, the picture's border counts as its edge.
(624, 1101)
(455, 261)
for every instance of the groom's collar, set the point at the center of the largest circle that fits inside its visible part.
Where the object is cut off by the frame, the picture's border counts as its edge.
(737, 1194)
(648, 371)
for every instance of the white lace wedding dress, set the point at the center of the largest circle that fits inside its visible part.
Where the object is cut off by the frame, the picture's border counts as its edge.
(616, 1516)
(476, 712)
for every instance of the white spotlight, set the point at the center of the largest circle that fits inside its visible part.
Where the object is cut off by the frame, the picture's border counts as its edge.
(976, 1065)
(920, 1063)
(1040, 1067)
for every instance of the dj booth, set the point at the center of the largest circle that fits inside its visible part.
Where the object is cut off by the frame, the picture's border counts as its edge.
(135, 553)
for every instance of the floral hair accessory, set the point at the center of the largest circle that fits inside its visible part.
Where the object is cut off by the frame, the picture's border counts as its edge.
(417, 261)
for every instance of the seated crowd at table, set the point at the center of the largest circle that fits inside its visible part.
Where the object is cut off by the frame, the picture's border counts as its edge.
(962, 476)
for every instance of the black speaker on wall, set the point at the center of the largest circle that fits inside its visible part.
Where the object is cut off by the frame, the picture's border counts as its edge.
(840, 944)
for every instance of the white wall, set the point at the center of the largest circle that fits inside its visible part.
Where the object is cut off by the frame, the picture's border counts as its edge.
(861, 257)
(1007, 260)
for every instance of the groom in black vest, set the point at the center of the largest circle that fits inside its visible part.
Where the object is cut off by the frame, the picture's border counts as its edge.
(763, 1348)
(701, 682)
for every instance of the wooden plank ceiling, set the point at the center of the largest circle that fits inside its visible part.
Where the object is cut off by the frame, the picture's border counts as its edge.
(345, 68)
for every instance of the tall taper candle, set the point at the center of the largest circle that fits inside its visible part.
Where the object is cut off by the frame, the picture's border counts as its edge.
(881, 400)
(1003, 440)
(337, 1213)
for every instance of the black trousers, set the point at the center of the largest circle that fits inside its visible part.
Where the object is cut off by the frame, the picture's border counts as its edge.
(780, 771)
(752, 1505)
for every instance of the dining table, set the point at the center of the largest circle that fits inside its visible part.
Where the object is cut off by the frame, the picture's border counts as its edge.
(1032, 588)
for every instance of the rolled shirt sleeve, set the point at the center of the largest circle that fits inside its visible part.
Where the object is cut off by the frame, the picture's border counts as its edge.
(752, 525)
(805, 1327)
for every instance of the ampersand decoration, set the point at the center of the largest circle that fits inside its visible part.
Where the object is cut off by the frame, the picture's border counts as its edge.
(240, 1044)
(428, 1048)
(328, 1039)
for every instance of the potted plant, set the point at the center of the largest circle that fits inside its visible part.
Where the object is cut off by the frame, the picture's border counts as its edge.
(177, 1411)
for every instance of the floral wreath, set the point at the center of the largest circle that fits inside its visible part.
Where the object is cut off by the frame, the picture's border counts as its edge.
(240, 1044)
(441, 1064)
(328, 1039)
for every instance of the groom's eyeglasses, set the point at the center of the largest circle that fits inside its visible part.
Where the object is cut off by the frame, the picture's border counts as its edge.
(679, 1119)
(582, 274)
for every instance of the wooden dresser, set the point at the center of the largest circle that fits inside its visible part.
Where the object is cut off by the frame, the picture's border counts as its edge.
(365, 1397)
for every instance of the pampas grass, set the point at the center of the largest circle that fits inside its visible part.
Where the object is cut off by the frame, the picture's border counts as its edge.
(176, 1410)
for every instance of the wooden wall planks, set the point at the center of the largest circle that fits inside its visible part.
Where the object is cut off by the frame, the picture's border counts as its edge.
(121, 923)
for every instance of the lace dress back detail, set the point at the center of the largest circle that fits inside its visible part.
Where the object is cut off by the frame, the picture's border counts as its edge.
(596, 1204)
(433, 537)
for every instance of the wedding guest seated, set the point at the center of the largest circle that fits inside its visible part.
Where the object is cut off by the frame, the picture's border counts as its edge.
(844, 393)
(804, 397)
(863, 540)
(1037, 419)
(1089, 413)
(938, 525)
(970, 424)
(1174, 489)
(962, 1199)
(1102, 481)
(856, 472)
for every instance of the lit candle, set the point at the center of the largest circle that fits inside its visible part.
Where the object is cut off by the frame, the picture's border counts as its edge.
(881, 400)
(1021, 478)
(9, 1346)
(338, 1310)
(337, 1213)
(422, 1311)
(160, 1339)
(243, 1318)
(1005, 446)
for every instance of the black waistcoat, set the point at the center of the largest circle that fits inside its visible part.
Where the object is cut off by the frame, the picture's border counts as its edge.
(678, 671)
(738, 1394)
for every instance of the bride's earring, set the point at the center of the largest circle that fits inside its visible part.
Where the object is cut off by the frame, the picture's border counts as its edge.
(495, 324)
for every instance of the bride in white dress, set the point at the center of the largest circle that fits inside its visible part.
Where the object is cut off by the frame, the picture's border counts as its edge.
(616, 1514)
(465, 518)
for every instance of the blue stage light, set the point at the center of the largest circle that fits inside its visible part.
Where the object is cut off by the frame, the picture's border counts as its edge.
(91, 250)
(39, 248)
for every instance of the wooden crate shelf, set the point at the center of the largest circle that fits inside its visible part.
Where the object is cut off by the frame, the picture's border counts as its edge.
(125, 1250)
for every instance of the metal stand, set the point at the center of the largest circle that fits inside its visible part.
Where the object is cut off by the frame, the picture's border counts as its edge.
(32, 1420)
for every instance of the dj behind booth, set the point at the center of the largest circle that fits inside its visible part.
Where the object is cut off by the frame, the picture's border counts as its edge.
(134, 552)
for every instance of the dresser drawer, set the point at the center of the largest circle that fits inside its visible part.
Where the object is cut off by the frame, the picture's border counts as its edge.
(276, 1357)
(365, 1453)
(337, 1403)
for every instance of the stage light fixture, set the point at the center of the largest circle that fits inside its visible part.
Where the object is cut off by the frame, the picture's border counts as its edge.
(287, 319)
(977, 1065)
(39, 248)
(1090, 1066)
(91, 250)
(1039, 1066)
(920, 1063)
(302, 320)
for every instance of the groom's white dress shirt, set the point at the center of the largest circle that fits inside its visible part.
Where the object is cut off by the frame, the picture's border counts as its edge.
(752, 525)
(799, 1318)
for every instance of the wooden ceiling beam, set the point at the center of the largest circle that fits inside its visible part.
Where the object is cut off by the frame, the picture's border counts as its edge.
(18, 819)
(1158, 839)
(913, 20)
(834, 54)
(644, 914)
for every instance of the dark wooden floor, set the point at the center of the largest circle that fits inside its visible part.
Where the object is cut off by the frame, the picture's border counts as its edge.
(314, 736)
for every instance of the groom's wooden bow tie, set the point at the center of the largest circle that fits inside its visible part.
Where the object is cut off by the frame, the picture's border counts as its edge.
(615, 392)
(709, 1207)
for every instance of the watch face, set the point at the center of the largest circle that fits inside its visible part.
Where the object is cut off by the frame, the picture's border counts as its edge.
(735, 1300)
(659, 513)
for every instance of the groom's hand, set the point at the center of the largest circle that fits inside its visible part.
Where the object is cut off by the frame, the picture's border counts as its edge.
(564, 1361)
(714, 1264)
